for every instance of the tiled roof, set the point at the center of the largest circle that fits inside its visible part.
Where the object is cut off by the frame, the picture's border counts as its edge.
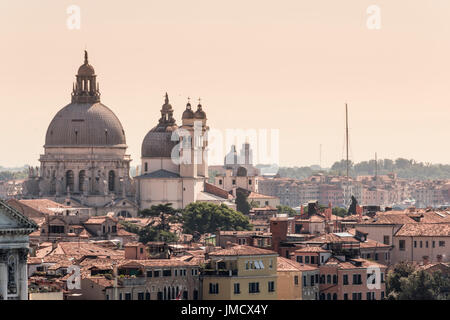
(425, 230)
(284, 264)
(254, 195)
(156, 263)
(390, 219)
(77, 249)
(312, 249)
(159, 174)
(353, 263)
(242, 250)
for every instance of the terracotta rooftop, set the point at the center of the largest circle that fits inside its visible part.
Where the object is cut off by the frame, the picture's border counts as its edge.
(254, 195)
(242, 250)
(425, 230)
(312, 249)
(284, 264)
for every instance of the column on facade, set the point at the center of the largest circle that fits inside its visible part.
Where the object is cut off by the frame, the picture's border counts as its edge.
(3, 275)
(23, 274)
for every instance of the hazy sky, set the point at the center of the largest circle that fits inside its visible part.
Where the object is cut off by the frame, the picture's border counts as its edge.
(289, 65)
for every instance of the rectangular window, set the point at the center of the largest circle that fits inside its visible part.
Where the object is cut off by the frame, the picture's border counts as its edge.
(300, 259)
(345, 296)
(312, 281)
(345, 279)
(237, 288)
(313, 260)
(214, 288)
(421, 243)
(253, 287)
(127, 296)
(376, 256)
(415, 244)
(271, 286)
(167, 273)
(304, 281)
(306, 259)
(386, 240)
(140, 296)
(434, 244)
(426, 244)
(441, 243)
(401, 245)
(296, 280)
(156, 273)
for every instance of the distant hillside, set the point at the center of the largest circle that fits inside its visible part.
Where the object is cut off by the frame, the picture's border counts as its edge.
(404, 168)
(13, 173)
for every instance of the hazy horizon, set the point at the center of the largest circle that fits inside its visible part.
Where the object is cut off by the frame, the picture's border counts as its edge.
(290, 66)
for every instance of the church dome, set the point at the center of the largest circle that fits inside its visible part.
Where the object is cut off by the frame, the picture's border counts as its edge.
(158, 141)
(199, 114)
(188, 113)
(86, 70)
(158, 144)
(85, 124)
(85, 121)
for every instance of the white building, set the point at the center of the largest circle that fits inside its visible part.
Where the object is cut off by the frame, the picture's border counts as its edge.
(14, 231)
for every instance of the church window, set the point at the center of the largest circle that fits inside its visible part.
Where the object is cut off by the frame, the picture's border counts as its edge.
(69, 180)
(81, 178)
(111, 180)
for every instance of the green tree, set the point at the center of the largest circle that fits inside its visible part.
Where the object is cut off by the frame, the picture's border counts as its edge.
(404, 282)
(242, 204)
(157, 210)
(286, 210)
(205, 217)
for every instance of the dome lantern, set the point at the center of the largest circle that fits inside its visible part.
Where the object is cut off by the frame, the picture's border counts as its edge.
(86, 88)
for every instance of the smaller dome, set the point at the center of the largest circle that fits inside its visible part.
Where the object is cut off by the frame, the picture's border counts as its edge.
(86, 70)
(188, 113)
(199, 114)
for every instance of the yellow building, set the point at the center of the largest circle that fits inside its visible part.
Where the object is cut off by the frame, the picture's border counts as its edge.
(297, 281)
(241, 272)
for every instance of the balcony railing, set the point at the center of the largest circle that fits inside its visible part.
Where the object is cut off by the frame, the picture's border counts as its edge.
(220, 273)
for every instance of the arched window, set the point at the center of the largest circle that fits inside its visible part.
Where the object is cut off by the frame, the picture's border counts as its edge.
(81, 177)
(328, 296)
(334, 296)
(334, 279)
(111, 180)
(328, 278)
(322, 296)
(69, 180)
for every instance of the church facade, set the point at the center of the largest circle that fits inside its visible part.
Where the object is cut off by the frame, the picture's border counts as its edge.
(174, 160)
(14, 246)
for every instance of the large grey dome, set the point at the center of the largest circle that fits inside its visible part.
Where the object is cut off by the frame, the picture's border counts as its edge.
(85, 124)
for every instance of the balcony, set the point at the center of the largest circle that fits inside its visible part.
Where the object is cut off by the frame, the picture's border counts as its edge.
(220, 273)
(131, 281)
